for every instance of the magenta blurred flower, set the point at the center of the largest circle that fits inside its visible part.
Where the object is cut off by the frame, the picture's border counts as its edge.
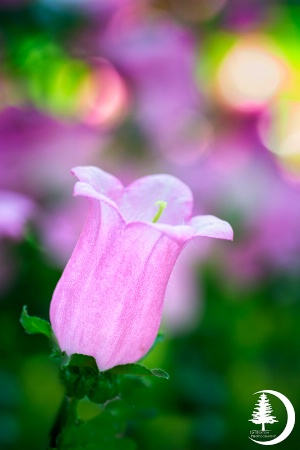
(183, 299)
(158, 58)
(60, 225)
(108, 302)
(271, 239)
(240, 176)
(244, 15)
(36, 148)
(15, 211)
(94, 6)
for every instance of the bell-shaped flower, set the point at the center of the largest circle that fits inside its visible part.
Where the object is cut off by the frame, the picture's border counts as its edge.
(108, 302)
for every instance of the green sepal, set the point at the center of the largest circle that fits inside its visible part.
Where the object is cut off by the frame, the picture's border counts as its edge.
(139, 370)
(35, 325)
(105, 387)
(78, 360)
(81, 377)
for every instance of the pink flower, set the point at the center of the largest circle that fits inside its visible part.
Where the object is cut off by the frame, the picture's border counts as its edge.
(108, 302)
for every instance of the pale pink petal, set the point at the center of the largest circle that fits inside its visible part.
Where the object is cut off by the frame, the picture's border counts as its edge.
(86, 190)
(180, 233)
(139, 198)
(211, 226)
(101, 181)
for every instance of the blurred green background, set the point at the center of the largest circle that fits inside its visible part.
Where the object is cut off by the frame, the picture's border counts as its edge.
(209, 92)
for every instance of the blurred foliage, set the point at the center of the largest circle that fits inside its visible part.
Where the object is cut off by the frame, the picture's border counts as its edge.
(248, 340)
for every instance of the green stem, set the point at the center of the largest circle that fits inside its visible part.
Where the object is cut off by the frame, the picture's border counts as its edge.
(59, 423)
(66, 416)
(72, 411)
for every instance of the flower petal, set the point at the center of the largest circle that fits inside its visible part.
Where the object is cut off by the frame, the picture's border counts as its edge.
(139, 198)
(104, 183)
(108, 302)
(211, 226)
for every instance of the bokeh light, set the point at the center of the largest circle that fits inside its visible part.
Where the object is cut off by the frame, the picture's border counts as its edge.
(279, 131)
(251, 75)
(104, 96)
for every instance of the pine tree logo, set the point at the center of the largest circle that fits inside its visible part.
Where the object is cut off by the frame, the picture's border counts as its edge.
(262, 412)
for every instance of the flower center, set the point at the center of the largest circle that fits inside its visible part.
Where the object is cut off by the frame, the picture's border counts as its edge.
(161, 205)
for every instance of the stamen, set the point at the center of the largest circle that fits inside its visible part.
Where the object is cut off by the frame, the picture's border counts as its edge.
(161, 206)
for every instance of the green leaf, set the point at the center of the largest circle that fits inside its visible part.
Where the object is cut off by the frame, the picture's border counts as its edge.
(139, 370)
(35, 325)
(57, 355)
(160, 373)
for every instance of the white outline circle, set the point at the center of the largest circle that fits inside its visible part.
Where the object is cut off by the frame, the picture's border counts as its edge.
(290, 418)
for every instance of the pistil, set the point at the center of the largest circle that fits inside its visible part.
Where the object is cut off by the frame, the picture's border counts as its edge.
(161, 205)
